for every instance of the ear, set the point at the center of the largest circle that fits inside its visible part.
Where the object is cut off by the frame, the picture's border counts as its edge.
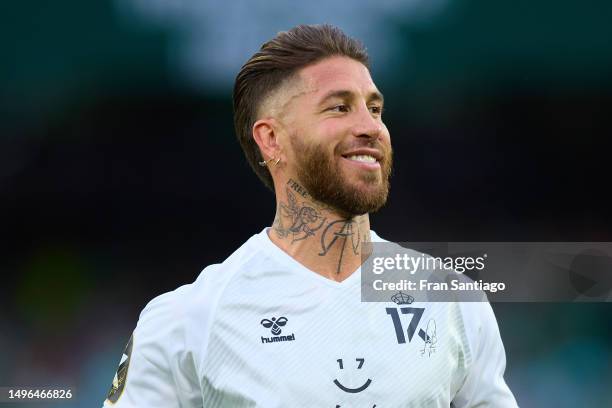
(265, 133)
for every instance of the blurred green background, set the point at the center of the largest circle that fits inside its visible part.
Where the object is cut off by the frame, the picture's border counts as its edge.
(120, 176)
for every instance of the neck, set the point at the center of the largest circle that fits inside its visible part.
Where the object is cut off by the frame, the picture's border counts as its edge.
(317, 236)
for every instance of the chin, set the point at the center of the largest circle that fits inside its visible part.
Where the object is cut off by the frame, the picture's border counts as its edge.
(371, 184)
(362, 180)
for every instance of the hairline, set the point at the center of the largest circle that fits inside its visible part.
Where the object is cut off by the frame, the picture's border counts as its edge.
(293, 81)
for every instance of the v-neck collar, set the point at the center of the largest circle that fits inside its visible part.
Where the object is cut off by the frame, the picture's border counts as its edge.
(353, 279)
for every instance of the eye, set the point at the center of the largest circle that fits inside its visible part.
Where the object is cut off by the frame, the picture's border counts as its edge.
(377, 110)
(340, 108)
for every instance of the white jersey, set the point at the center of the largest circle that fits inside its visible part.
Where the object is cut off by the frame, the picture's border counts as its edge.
(262, 330)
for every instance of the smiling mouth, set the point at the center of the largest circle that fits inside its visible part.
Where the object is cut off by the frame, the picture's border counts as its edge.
(363, 158)
(363, 161)
(353, 390)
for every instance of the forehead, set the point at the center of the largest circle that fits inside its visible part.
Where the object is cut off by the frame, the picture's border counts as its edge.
(332, 73)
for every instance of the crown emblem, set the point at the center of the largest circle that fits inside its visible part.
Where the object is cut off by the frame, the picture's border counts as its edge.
(402, 299)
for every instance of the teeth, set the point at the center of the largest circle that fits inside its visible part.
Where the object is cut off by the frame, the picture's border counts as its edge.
(362, 158)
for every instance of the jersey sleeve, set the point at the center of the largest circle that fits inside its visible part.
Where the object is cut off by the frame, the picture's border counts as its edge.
(484, 384)
(157, 369)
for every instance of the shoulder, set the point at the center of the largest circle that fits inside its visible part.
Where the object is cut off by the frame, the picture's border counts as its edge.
(374, 237)
(209, 282)
(187, 311)
(479, 327)
(483, 383)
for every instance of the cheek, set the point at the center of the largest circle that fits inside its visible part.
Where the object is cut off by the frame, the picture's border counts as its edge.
(319, 138)
(311, 143)
(331, 135)
(330, 129)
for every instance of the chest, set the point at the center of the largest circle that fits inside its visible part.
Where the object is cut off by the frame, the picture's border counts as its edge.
(333, 353)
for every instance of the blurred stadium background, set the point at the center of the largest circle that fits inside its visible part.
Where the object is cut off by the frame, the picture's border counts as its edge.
(120, 176)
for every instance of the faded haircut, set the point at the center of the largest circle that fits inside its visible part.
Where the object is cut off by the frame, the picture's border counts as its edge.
(276, 62)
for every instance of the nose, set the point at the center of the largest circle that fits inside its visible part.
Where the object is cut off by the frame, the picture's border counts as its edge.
(366, 124)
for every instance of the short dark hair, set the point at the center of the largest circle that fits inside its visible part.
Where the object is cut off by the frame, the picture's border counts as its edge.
(276, 61)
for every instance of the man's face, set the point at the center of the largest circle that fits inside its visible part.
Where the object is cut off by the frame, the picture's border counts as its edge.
(340, 147)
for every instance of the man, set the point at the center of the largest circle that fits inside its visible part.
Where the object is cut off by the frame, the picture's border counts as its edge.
(280, 322)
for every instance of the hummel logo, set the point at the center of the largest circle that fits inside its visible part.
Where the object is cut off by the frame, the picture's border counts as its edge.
(275, 325)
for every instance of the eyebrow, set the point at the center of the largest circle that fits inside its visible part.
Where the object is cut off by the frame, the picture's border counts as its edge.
(346, 94)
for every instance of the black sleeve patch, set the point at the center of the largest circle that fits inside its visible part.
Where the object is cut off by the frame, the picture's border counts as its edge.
(121, 375)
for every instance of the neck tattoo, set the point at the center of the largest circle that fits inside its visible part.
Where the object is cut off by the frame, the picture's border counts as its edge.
(301, 218)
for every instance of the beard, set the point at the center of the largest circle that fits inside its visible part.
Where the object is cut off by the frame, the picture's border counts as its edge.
(321, 175)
